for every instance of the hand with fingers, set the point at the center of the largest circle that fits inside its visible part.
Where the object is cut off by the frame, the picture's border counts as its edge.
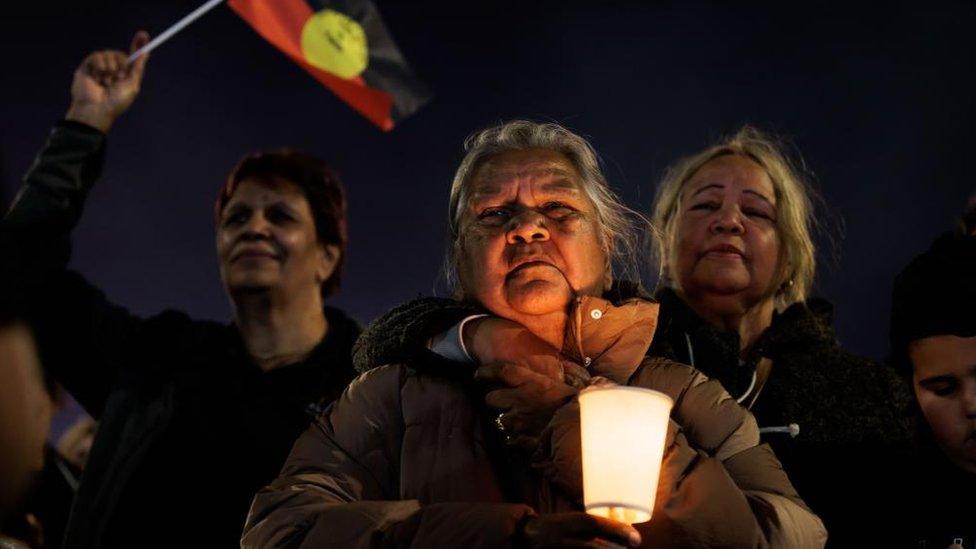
(492, 339)
(575, 529)
(524, 398)
(106, 84)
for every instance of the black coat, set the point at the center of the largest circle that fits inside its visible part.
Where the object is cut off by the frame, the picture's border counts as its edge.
(854, 440)
(853, 414)
(190, 427)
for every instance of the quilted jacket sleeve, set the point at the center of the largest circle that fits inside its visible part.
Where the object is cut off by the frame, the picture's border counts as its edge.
(340, 485)
(718, 486)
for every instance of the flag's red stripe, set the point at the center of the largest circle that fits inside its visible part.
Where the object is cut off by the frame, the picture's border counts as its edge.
(281, 22)
(278, 21)
(372, 103)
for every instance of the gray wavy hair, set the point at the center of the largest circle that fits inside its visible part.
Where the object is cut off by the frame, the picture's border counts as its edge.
(794, 203)
(621, 226)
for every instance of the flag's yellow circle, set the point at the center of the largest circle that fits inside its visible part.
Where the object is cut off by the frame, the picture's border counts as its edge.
(335, 43)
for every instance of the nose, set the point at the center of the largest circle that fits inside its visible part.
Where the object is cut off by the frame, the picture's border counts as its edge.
(527, 226)
(728, 220)
(256, 228)
(969, 399)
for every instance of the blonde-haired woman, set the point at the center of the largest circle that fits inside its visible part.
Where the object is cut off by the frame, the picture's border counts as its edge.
(737, 263)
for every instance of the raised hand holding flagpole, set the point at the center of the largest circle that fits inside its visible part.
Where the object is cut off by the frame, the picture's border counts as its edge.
(106, 84)
(177, 27)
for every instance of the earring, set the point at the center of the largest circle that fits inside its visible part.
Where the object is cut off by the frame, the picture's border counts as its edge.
(786, 286)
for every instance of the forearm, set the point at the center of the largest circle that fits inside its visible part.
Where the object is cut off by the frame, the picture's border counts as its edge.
(401, 335)
(405, 523)
(702, 501)
(340, 485)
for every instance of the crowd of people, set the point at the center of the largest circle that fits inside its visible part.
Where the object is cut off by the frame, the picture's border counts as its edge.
(454, 422)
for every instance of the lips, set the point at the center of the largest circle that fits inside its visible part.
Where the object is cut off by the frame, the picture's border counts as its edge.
(253, 253)
(528, 262)
(727, 250)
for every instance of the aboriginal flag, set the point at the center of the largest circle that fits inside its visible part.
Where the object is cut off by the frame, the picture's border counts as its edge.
(345, 46)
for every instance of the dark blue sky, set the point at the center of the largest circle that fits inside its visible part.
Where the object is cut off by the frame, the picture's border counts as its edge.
(880, 102)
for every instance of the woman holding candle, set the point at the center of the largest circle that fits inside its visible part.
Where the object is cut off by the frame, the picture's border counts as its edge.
(413, 455)
(737, 262)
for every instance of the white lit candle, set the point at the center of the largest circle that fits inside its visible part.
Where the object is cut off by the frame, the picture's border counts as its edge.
(623, 431)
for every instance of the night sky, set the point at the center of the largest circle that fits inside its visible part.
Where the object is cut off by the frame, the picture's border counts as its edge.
(881, 103)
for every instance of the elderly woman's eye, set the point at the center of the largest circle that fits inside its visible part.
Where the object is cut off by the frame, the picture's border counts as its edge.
(709, 206)
(494, 214)
(557, 209)
(752, 212)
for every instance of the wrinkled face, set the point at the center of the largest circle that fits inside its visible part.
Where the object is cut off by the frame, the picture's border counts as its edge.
(529, 238)
(944, 379)
(266, 240)
(727, 241)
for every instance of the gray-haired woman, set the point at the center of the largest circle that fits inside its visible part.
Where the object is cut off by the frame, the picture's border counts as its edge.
(737, 262)
(417, 454)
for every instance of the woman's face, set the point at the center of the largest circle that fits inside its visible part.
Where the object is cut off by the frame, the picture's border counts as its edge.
(266, 240)
(529, 238)
(726, 234)
(944, 379)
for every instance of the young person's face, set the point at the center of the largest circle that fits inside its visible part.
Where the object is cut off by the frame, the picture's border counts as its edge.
(944, 380)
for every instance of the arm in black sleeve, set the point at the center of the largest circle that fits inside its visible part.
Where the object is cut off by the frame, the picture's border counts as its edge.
(36, 230)
(57, 183)
(81, 335)
(401, 335)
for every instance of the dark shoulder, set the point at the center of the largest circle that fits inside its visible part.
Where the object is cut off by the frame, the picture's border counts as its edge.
(838, 397)
(803, 335)
(173, 341)
(179, 328)
(802, 343)
(343, 333)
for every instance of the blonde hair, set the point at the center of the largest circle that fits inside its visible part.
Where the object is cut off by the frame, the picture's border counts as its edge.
(620, 226)
(794, 220)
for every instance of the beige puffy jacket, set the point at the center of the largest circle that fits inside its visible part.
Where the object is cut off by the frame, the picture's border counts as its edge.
(407, 458)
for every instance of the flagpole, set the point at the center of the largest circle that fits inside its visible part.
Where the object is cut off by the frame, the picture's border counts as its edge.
(180, 25)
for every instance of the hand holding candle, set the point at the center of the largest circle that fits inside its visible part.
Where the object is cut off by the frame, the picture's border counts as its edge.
(575, 529)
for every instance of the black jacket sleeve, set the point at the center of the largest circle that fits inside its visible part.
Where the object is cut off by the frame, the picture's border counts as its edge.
(400, 336)
(80, 334)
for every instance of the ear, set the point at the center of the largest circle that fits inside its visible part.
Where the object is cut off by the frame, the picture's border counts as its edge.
(328, 260)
